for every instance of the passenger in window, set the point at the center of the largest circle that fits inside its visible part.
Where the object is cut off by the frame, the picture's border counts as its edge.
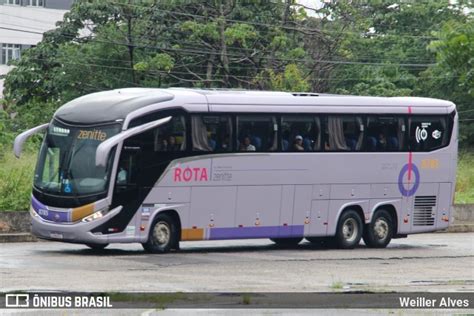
(172, 146)
(326, 145)
(163, 145)
(225, 143)
(298, 143)
(122, 176)
(381, 142)
(246, 145)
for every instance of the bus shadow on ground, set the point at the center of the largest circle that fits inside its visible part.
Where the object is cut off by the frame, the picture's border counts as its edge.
(188, 249)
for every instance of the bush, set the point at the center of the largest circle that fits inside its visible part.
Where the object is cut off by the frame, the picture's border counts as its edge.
(16, 177)
(465, 177)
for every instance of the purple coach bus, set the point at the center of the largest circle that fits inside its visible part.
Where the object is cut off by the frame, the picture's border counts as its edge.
(160, 166)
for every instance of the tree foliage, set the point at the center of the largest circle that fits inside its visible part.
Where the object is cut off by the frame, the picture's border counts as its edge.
(384, 48)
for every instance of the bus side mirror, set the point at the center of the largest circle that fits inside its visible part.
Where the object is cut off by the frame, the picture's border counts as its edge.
(104, 148)
(20, 139)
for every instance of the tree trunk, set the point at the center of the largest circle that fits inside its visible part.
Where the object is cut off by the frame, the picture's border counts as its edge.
(210, 67)
(286, 12)
(130, 45)
(224, 57)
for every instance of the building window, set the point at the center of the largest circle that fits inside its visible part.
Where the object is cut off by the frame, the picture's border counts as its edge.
(10, 52)
(35, 3)
(13, 2)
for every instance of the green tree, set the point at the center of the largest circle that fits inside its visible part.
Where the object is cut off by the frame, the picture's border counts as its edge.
(452, 77)
(387, 42)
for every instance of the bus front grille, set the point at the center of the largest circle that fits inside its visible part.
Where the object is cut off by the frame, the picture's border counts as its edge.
(423, 214)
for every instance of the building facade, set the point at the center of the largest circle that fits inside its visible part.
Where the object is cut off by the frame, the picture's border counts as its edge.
(22, 24)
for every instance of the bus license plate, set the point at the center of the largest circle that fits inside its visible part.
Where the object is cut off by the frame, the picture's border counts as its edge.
(56, 235)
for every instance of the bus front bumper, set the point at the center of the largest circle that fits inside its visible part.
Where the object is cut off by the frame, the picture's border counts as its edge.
(79, 232)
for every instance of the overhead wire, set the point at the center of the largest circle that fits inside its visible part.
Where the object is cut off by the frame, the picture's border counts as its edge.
(200, 52)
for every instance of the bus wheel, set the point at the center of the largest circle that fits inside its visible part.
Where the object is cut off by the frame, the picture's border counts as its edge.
(286, 242)
(97, 246)
(349, 230)
(380, 230)
(162, 235)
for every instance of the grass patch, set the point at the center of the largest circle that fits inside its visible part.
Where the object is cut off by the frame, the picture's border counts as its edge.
(246, 299)
(16, 178)
(336, 285)
(465, 178)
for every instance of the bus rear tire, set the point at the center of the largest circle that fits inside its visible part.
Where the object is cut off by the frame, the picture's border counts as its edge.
(97, 247)
(349, 230)
(286, 242)
(162, 236)
(379, 231)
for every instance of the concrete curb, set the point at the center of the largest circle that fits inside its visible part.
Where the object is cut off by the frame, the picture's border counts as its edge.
(17, 237)
(459, 228)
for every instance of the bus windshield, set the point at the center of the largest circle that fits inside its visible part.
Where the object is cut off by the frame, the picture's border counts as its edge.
(66, 163)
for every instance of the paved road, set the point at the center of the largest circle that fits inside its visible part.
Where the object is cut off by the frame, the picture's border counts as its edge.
(435, 262)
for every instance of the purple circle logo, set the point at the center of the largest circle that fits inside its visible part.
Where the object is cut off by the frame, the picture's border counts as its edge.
(416, 181)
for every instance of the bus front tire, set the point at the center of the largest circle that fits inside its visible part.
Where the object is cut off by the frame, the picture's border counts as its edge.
(97, 247)
(162, 236)
(286, 242)
(349, 230)
(379, 231)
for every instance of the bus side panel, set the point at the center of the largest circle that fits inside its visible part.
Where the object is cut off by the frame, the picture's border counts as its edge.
(257, 214)
(444, 206)
(286, 210)
(319, 210)
(319, 218)
(302, 209)
(213, 206)
(258, 206)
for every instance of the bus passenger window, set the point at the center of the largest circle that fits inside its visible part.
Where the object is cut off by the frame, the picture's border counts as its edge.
(344, 133)
(211, 133)
(171, 136)
(257, 133)
(300, 133)
(385, 133)
(428, 132)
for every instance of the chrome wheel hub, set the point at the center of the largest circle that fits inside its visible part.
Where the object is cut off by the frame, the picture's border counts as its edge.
(381, 228)
(350, 229)
(162, 233)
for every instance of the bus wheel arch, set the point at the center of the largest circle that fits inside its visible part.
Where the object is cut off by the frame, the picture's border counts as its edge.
(164, 233)
(350, 226)
(382, 228)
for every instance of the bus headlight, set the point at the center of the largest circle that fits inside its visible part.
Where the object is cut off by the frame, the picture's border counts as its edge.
(33, 212)
(96, 215)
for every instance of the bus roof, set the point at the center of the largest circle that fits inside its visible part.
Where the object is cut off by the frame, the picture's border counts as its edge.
(116, 104)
